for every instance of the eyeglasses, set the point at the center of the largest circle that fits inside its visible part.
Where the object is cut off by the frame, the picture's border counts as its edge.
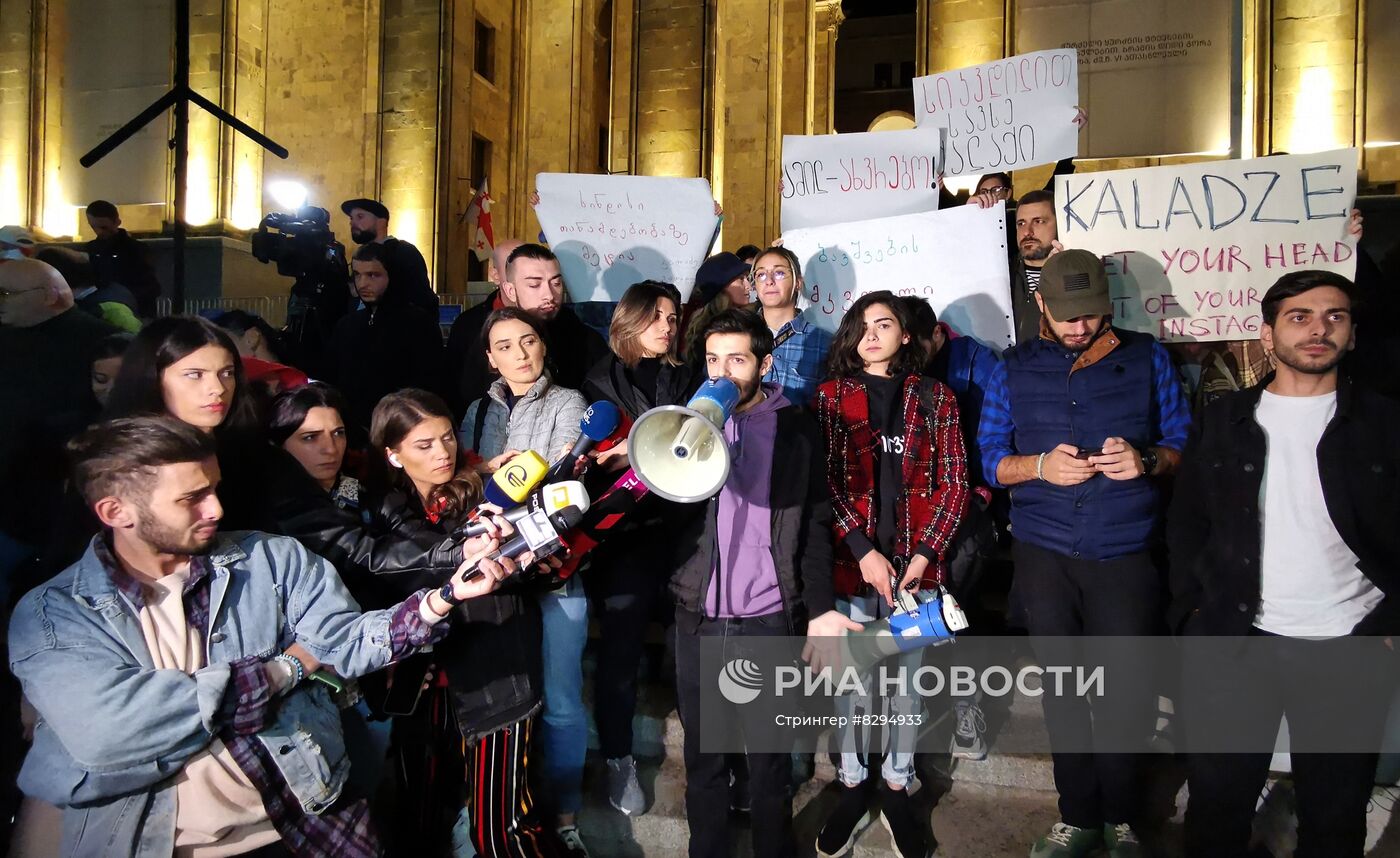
(777, 276)
(995, 189)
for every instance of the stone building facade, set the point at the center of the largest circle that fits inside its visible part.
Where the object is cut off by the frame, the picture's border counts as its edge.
(417, 101)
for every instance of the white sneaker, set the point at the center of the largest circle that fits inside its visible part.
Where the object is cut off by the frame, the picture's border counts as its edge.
(969, 734)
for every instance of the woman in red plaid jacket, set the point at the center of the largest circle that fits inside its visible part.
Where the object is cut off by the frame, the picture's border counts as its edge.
(898, 477)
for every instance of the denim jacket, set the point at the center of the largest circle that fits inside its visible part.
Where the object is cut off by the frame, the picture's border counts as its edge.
(113, 730)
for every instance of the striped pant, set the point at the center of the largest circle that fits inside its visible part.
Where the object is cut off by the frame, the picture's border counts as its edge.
(503, 820)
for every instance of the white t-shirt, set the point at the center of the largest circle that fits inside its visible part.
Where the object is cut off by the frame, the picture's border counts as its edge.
(1311, 587)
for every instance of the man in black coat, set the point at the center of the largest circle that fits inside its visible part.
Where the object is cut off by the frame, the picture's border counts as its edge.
(369, 224)
(45, 396)
(531, 280)
(1283, 536)
(119, 259)
(386, 345)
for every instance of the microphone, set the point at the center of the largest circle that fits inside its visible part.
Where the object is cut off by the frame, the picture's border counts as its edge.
(510, 485)
(538, 532)
(600, 519)
(624, 428)
(548, 498)
(598, 424)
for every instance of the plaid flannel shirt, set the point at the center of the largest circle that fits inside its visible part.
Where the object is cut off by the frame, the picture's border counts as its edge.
(933, 498)
(799, 363)
(343, 830)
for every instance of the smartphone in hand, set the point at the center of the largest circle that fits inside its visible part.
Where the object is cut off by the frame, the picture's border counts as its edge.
(1085, 453)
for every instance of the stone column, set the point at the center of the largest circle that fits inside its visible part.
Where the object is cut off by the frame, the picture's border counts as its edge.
(826, 22)
(410, 97)
(1314, 73)
(17, 73)
(962, 33)
(745, 118)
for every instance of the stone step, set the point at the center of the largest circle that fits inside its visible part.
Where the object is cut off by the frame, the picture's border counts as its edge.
(658, 734)
(968, 820)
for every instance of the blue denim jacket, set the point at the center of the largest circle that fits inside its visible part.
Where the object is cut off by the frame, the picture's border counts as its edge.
(113, 730)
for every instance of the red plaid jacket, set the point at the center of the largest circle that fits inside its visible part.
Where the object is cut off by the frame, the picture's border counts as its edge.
(934, 496)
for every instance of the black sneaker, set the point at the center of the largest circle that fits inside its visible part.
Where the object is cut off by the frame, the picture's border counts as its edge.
(847, 821)
(901, 819)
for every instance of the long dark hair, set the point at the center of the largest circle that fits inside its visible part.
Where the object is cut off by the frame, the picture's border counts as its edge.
(288, 411)
(506, 314)
(394, 417)
(137, 391)
(845, 360)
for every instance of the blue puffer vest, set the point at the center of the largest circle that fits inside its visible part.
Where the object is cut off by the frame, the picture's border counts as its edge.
(1113, 397)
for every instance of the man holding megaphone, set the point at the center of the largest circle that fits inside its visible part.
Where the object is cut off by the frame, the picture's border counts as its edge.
(753, 561)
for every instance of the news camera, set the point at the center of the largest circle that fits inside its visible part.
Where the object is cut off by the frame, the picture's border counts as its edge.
(303, 247)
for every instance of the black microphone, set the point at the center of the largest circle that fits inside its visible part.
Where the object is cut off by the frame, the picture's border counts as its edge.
(538, 532)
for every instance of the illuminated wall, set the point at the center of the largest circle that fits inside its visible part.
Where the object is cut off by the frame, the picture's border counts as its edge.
(390, 98)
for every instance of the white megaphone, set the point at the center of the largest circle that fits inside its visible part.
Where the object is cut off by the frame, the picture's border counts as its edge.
(679, 452)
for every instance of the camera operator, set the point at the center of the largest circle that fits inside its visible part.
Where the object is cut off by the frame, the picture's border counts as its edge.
(369, 224)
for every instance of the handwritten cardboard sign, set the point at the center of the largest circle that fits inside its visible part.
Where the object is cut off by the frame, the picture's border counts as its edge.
(956, 259)
(834, 178)
(1004, 115)
(612, 231)
(1192, 249)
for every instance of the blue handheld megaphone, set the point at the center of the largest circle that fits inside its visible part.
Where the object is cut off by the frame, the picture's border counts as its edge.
(926, 618)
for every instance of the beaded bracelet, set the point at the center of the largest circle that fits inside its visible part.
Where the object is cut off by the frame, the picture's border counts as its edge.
(298, 671)
(1040, 466)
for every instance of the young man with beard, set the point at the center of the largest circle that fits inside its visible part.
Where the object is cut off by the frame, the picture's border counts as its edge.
(1283, 535)
(369, 224)
(1079, 423)
(175, 717)
(1037, 237)
(755, 561)
(531, 280)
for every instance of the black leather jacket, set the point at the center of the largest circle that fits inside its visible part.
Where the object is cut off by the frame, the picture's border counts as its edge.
(492, 656)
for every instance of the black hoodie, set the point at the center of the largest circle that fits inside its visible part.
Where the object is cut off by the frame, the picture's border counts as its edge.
(381, 348)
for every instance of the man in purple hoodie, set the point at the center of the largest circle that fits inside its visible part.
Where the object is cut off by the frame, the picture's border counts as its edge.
(755, 560)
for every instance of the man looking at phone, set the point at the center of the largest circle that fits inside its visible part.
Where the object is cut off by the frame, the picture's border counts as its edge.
(1078, 423)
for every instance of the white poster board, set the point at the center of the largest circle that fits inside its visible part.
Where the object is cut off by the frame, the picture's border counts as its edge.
(612, 231)
(1192, 249)
(836, 178)
(1004, 115)
(956, 259)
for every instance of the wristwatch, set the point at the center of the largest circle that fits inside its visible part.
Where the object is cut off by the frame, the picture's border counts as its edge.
(1149, 461)
(449, 595)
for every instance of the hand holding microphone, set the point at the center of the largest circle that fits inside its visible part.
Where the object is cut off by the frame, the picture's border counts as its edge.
(599, 427)
(537, 537)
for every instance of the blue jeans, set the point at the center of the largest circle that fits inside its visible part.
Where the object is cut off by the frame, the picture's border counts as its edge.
(564, 724)
(899, 740)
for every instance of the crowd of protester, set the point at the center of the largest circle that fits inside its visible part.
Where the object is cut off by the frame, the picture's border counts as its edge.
(240, 626)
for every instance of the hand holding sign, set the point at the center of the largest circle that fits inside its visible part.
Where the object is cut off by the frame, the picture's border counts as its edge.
(1190, 249)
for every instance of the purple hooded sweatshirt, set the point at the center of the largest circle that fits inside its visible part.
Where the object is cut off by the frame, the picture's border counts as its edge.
(745, 579)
